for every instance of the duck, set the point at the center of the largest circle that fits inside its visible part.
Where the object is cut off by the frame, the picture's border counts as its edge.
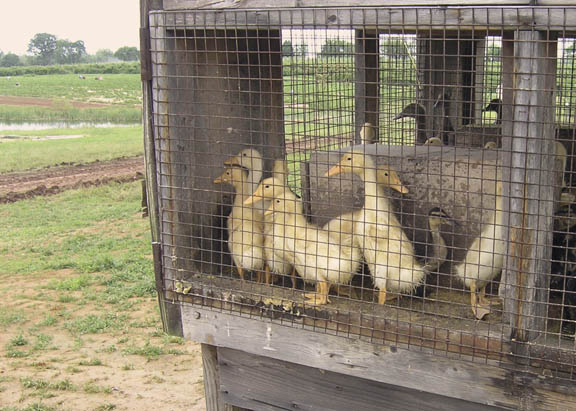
(433, 141)
(368, 134)
(437, 217)
(418, 113)
(318, 257)
(491, 145)
(386, 248)
(484, 259)
(245, 225)
(495, 105)
(278, 260)
(251, 160)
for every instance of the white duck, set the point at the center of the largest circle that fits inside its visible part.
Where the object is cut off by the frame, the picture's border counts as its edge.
(484, 259)
(318, 257)
(278, 260)
(245, 225)
(387, 250)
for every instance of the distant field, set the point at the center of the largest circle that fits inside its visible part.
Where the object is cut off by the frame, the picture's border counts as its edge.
(113, 89)
(95, 144)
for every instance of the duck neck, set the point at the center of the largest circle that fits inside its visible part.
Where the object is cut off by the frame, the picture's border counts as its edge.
(242, 189)
(255, 175)
(373, 193)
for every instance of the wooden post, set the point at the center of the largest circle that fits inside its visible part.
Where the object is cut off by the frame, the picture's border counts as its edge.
(211, 368)
(367, 80)
(529, 178)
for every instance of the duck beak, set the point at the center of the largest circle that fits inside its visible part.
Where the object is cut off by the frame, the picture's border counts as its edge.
(401, 188)
(397, 116)
(218, 180)
(255, 197)
(232, 161)
(270, 211)
(334, 171)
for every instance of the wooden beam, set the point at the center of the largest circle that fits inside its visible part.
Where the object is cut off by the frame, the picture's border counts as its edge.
(263, 383)
(530, 179)
(475, 382)
(392, 19)
(367, 82)
(267, 4)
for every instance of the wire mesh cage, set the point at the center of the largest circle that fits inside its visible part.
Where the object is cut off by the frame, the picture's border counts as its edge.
(400, 175)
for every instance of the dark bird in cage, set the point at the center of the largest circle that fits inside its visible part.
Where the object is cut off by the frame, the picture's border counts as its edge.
(563, 267)
(418, 113)
(245, 225)
(436, 219)
(387, 250)
(495, 105)
(484, 259)
(279, 261)
(318, 257)
(445, 130)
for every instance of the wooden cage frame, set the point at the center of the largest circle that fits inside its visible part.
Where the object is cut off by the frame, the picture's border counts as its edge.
(252, 361)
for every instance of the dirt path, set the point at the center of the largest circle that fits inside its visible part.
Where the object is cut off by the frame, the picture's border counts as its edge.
(43, 102)
(21, 185)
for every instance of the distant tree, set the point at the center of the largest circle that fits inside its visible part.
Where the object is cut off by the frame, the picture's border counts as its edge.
(127, 54)
(43, 47)
(10, 60)
(300, 50)
(397, 48)
(287, 48)
(104, 56)
(336, 48)
(68, 52)
(493, 53)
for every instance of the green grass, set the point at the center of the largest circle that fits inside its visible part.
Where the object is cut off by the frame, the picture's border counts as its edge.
(65, 112)
(114, 89)
(97, 144)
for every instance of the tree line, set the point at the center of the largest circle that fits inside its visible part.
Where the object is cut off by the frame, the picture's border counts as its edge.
(46, 49)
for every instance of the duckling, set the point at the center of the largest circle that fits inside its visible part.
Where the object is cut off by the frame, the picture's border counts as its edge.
(495, 105)
(245, 225)
(418, 113)
(436, 218)
(277, 259)
(318, 257)
(433, 141)
(484, 259)
(387, 250)
(251, 160)
(491, 145)
(368, 134)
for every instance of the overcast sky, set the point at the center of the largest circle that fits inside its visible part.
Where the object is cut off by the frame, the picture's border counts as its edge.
(102, 24)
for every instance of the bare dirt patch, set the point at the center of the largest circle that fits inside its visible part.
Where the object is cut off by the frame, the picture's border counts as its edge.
(44, 102)
(21, 185)
(97, 368)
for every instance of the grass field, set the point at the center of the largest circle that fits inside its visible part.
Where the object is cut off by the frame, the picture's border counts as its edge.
(113, 89)
(79, 323)
(95, 144)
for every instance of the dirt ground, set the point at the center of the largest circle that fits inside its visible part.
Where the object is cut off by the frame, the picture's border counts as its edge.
(52, 180)
(116, 381)
(43, 102)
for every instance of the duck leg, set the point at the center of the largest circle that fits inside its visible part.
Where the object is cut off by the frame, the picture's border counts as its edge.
(240, 272)
(320, 297)
(267, 274)
(293, 277)
(480, 310)
(486, 300)
(382, 296)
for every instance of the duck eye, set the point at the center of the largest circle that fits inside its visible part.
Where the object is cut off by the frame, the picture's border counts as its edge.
(349, 159)
(386, 174)
(243, 154)
(277, 201)
(267, 186)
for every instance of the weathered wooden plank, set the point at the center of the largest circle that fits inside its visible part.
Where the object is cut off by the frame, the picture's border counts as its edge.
(530, 179)
(268, 4)
(475, 382)
(212, 375)
(263, 383)
(402, 20)
(367, 84)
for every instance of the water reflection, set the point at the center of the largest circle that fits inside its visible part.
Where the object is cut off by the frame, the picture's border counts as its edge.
(26, 126)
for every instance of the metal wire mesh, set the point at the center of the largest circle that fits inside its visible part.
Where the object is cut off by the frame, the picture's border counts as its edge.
(401, 176)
